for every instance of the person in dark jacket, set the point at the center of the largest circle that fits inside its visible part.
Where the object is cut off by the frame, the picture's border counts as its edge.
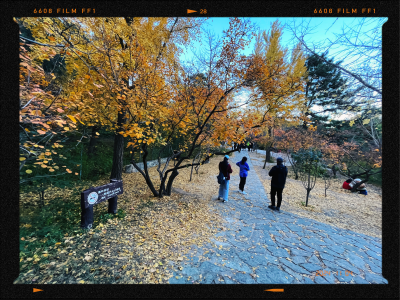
(244, 168)
(278, 174)
(224, 168)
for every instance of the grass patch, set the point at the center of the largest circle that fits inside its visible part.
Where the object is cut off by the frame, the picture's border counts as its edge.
(43, 228)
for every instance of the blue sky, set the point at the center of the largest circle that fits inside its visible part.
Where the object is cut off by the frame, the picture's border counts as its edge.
(324, 30)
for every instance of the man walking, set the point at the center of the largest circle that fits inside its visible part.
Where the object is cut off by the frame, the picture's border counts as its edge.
(278, 174)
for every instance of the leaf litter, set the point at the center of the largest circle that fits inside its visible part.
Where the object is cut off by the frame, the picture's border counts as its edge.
(339, 208)
(156, 236)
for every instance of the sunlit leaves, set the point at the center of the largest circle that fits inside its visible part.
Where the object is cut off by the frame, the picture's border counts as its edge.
(72, 118)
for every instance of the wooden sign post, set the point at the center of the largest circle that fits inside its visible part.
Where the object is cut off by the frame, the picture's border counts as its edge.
(97, 195)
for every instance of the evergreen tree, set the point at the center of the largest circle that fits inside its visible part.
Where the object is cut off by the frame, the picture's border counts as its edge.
(326, 88)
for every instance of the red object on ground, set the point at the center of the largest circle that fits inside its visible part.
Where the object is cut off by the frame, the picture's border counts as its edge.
(346, 186)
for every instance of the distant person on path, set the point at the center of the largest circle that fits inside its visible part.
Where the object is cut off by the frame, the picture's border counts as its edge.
(248, 146)
(244, 168)
(252, 147)
(224, 168)
(278, 174)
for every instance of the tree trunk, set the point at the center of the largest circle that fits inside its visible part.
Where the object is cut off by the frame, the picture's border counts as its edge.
(146, 171)
(308, 186)
(308, 193)
(334, 170)
(116, 171)
(93, 141)
(194, 159)
(191, 173)
(170, 181)
(267, 156)
(293, 164)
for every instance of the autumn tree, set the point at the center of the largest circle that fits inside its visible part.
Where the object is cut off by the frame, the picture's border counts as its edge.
(360, 50)
(205, 110)
(44, 124)
(121, 67)
(294, 139)
(279, 95)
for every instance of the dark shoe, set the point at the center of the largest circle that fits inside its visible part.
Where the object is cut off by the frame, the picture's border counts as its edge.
(277, 209)
(271, 207)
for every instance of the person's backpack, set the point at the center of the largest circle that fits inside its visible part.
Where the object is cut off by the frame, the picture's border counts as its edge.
(220, 178)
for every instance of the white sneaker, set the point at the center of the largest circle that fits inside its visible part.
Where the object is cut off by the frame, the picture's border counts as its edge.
(244, 193)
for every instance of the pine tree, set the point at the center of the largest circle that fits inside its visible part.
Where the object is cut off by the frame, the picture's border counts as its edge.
(327, 89)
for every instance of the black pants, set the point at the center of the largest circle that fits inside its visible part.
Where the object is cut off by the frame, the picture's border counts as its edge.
(274, 191)
(242, 183)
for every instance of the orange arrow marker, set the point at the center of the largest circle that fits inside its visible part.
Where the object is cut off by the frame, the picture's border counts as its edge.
(189, 11)
(274, 290)
(37, 290)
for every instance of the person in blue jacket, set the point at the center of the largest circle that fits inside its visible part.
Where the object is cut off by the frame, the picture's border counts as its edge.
(244, 168)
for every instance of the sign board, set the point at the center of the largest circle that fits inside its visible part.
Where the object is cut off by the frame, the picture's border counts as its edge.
(102, 193)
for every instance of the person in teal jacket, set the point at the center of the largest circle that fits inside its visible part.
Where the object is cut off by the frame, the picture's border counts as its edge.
(244, 168)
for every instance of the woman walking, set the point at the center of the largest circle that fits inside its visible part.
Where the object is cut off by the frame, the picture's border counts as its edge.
(224, 168)
(244, 168)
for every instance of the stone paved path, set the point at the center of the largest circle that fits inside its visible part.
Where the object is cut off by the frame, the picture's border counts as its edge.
(264, 246)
